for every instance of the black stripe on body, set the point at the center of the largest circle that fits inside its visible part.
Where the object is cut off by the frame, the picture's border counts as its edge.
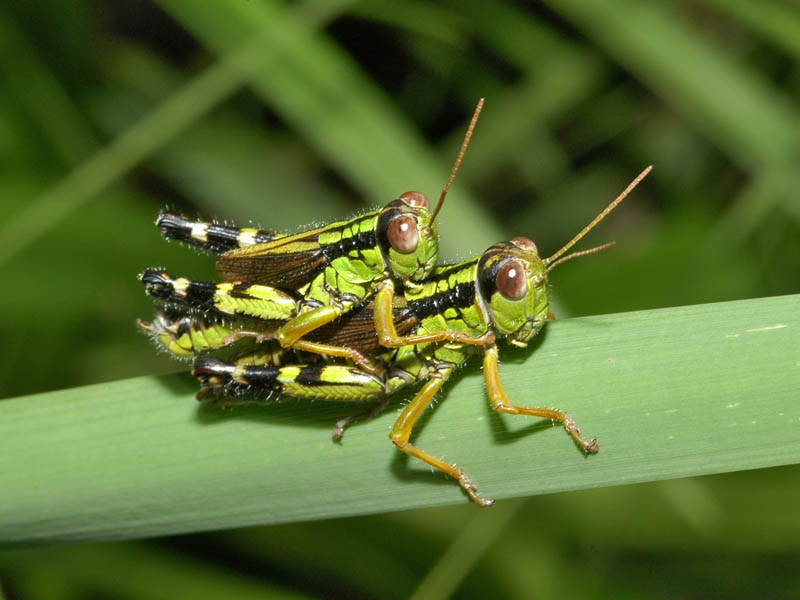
(263, 376)
(458, 297)
(240, 290)
(445, 271)
(311, 376)
(363, 240)
(220, 238)
(199, 294)
(219, 373)
(161, 285)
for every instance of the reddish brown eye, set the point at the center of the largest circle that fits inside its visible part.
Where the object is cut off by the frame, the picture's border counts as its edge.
(524, 243)
(511, 280)
(403, 234)
(415, 199)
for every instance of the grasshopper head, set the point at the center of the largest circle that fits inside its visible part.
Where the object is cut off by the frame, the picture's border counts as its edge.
(407, 237)
(512, 278)
(406, 231)
(513, 286)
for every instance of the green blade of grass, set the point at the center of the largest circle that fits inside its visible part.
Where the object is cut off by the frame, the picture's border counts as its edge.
(726, 100)
(668, 393)
(776, 22)
(42, 94)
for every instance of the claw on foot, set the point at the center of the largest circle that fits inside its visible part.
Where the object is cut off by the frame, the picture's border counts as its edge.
(572, 428)
(472, 491)
(338, 428)
(592, 447)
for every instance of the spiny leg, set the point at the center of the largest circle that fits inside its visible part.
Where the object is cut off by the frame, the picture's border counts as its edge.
(401, 432)
(389, 338)
(501, 403)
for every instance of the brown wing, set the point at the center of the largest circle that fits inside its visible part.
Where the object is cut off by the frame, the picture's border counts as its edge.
(356, 329)
(289, 262)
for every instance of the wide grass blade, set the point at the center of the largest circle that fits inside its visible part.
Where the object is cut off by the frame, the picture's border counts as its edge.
(669, 393)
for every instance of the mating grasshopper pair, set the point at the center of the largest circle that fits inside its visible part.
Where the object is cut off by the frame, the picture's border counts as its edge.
(356, 311)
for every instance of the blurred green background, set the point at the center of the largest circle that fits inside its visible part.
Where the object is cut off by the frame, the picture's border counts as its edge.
(285, 114)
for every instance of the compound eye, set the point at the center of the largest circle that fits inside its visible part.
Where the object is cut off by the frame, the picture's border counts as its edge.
(415, 199)
(403, 234)
(524, 243)
(511, 280)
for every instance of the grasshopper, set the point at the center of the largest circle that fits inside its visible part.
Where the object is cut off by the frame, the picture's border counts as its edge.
(503, 291)
(311, 278)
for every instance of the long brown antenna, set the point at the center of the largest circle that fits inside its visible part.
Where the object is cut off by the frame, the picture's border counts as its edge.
(457, 164)
(576, 255)
(599, 217)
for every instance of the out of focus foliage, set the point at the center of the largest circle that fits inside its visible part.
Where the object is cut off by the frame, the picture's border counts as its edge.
(112, 109)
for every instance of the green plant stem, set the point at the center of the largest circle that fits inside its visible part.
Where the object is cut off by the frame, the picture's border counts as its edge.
(668, 393)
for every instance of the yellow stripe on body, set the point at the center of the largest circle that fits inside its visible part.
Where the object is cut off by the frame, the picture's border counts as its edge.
(246, 237)
(200, 232)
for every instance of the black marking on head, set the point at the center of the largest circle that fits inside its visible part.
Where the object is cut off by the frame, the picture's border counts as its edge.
(488, 266)
(394, 209)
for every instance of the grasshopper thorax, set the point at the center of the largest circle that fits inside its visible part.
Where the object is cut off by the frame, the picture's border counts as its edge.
(407, 237)
(513, 288)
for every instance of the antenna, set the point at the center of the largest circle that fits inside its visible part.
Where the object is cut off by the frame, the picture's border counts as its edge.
(577, 255)
(457, 164)
(597, 219)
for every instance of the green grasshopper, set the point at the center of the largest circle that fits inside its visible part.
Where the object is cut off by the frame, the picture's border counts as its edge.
(504, 290)
(309, 279)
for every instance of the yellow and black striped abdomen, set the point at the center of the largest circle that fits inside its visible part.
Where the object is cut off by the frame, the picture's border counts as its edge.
(339, 383)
